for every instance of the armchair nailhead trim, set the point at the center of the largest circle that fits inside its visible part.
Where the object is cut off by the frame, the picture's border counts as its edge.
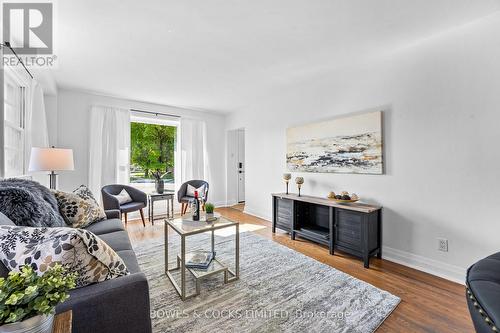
(481, 311)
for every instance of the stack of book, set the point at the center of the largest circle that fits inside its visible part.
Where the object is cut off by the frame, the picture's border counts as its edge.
(199, 259)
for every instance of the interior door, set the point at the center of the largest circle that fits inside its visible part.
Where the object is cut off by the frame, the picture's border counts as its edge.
(241, 165)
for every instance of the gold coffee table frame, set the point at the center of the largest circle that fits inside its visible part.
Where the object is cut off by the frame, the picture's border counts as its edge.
(189, 228)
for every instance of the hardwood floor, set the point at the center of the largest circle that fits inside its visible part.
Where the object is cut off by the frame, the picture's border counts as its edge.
(428, 303)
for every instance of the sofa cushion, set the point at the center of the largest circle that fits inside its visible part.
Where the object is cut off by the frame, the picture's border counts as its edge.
(129, 258)
(106, 226)
(4, 220)
(117, 240)
(25, 208)
(79, 210)
(78, 250)
(132, 207)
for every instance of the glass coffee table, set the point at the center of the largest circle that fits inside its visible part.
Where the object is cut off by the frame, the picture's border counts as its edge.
(186, 228)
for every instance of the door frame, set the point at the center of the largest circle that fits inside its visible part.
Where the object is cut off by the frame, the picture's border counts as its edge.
(232, 181)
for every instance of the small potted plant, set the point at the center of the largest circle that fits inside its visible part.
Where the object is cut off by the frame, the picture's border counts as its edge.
(209, 209)
(27, 301)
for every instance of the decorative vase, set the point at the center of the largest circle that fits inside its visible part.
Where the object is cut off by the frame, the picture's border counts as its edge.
(36, 324)
(286, 178)
(299, 181)
(210, 216)
(159, 186)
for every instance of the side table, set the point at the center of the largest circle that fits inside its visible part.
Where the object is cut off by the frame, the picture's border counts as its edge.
(188, 228)
(63, 322)
(167, 196)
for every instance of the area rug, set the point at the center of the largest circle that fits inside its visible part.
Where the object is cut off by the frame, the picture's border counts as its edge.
(279, 290)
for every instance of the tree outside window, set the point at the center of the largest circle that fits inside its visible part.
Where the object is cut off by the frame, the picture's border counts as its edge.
(152, 148)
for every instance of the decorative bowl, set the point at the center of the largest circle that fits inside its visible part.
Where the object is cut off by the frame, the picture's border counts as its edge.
(353, 197)
(344, 201)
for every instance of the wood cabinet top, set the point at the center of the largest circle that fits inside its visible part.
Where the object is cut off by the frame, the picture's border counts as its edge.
(356, 206)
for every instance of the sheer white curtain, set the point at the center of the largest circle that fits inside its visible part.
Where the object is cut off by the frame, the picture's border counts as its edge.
(194, 156)
(36, 132)
(109, 147)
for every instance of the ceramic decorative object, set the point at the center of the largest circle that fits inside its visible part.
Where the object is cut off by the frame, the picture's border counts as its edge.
(299, 181)
(159, 186)
(343, 197)
(286, 178)
(36, 324)
(159, 182)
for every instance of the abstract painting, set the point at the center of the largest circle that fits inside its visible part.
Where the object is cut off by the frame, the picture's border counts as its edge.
(351, 144)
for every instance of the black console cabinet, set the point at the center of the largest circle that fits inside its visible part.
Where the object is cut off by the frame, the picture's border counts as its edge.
(352, 228)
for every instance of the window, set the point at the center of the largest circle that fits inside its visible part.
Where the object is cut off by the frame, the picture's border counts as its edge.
(14, 124)
(153, 143)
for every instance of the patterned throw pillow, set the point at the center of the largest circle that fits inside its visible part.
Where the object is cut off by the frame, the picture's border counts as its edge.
(190, 191)
(77, 250)
(79, 209)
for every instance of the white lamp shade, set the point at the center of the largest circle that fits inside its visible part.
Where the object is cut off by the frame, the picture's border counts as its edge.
(51, 159)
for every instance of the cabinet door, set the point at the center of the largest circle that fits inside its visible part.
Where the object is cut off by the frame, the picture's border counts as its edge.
(284, 214)
(348, 228)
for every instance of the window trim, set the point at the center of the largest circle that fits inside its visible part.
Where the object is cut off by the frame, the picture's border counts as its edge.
(12, 76)
(164, 121)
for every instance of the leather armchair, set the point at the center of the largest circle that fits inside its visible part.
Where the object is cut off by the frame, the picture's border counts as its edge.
(483, 294)
(184, 199)
(110, 202)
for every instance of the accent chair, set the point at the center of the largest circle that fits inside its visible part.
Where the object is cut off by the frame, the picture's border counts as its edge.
(140, 200)
(184, 198)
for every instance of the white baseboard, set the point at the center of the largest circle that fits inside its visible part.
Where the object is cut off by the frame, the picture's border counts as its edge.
(221, 204)
(427, 265)
(229, 203)
(253, 213)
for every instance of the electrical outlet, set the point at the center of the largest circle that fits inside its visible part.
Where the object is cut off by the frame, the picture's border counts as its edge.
(442, 244)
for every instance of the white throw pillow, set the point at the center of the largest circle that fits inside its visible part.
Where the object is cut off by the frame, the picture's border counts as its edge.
(123, 197)
(191, 189)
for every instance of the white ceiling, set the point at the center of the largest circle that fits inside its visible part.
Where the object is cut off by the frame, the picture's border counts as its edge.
(220, 55)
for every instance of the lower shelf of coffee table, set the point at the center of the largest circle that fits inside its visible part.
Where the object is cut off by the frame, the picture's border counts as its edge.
(215, 267)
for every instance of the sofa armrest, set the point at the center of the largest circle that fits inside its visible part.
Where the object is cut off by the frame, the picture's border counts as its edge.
(109, 201)
(113, 214)
(117, 305)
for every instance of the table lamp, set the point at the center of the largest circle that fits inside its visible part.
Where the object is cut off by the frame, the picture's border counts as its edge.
(51, 159)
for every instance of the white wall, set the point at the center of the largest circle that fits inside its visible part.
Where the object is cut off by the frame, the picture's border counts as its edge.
(441, 98)
(51, 112)
(73, 132)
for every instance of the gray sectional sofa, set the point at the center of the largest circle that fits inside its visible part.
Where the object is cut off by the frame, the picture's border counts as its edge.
(117, 305)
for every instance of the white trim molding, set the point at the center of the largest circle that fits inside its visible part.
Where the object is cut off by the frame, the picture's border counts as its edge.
(253, 213)
(431, 266)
